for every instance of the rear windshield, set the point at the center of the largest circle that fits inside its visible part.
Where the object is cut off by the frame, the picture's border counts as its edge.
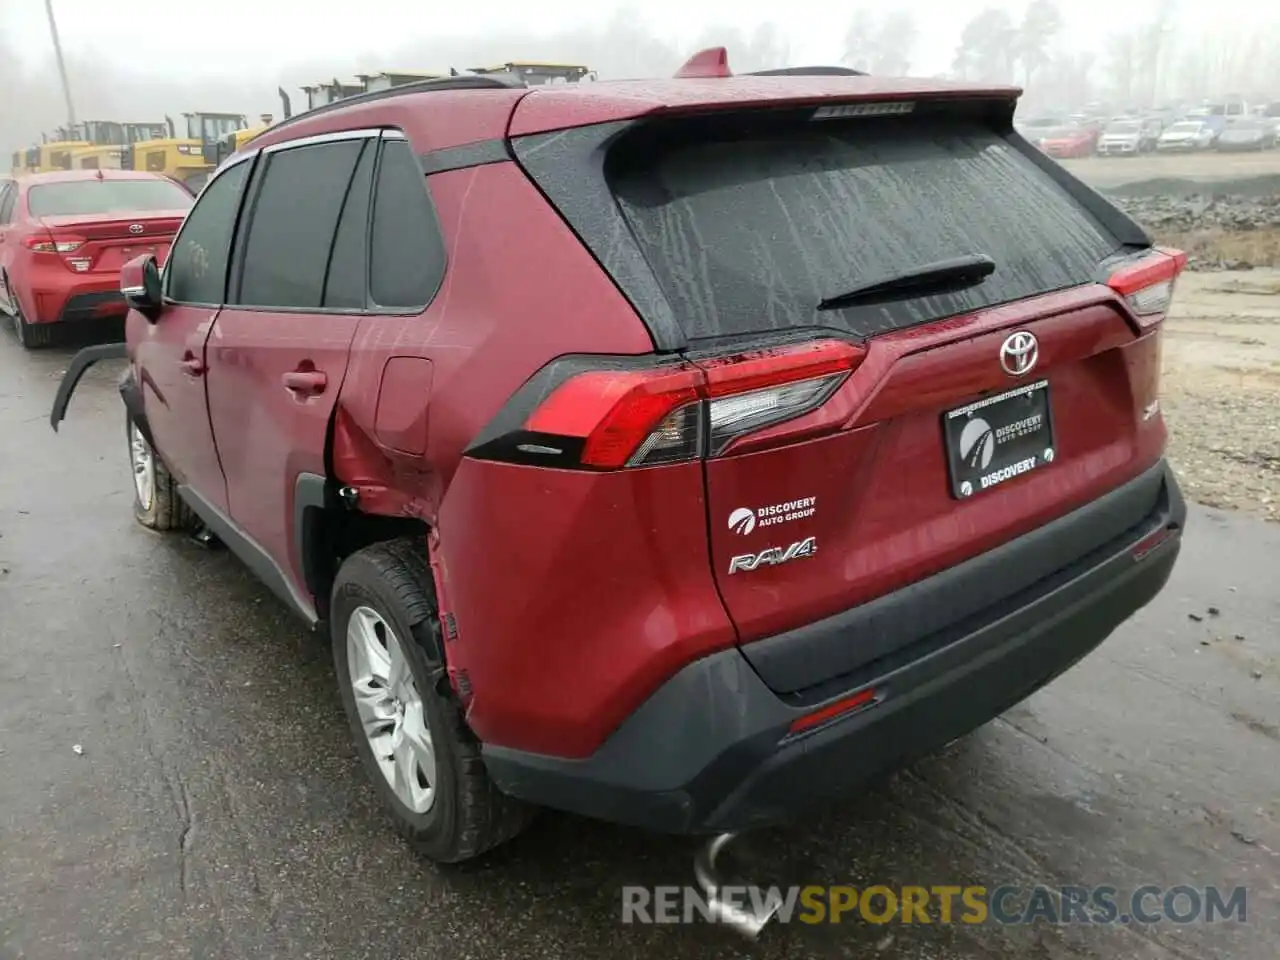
(748, 228)
(106, 196)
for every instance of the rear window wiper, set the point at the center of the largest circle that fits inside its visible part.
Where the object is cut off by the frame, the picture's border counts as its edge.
(941, 276)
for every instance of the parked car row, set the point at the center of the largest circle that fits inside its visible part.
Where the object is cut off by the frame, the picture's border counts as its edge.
(1131, 136)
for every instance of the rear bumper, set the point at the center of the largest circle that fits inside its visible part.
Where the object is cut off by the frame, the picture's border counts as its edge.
(84, 298)
(712, 751)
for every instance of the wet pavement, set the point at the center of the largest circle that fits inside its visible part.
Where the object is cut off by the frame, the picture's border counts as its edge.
(216, 807)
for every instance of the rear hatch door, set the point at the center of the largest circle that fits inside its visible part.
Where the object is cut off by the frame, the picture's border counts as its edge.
(986, 400)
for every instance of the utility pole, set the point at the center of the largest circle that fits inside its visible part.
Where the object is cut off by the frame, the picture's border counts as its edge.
(62, 67)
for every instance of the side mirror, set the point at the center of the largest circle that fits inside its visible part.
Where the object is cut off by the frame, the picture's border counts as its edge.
(140, 284)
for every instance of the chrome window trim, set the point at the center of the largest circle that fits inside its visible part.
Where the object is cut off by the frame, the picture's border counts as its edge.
(364, 133)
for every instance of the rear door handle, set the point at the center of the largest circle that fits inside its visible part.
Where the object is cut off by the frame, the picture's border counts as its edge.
(305, 381)
(192, 365)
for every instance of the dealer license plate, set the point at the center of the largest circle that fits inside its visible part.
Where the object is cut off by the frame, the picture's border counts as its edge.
(996, 439)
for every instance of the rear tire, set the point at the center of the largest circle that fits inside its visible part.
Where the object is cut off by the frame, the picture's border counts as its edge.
(32, 336)
(157, 505)
(427, 767)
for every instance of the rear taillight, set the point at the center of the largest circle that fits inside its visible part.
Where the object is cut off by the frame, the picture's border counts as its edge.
(1147, 283)
(632, 418)
(50, 244)
(626, 414)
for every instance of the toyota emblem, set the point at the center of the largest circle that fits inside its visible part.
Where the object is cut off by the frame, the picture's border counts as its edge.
(135, 228)
(1019, 353)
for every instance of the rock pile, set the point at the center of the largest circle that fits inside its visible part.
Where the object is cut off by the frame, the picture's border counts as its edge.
(1220, 231)
(1204, 211)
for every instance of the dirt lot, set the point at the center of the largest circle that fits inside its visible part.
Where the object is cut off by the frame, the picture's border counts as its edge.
(1221, 388)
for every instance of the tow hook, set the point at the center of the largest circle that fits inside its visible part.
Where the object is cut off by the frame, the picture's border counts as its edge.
(747, 918)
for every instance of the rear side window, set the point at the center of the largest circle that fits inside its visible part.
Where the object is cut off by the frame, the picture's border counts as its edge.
(291, 228)
(748, 227)
(346, 284)
(8, 195)
(406, 260)
(196, 271)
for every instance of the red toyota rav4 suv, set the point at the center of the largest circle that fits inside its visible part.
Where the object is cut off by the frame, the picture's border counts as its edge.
(675, 452)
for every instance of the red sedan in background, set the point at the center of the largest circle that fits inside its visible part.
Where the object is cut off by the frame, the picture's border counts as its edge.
(65, 235)
(1069, 142)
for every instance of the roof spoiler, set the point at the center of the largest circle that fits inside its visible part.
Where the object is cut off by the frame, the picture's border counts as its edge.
(714, 62)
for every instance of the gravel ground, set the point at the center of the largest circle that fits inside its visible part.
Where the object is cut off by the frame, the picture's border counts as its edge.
(1221, 389)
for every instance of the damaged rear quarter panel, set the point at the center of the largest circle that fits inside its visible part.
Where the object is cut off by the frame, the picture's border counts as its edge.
(509, 304)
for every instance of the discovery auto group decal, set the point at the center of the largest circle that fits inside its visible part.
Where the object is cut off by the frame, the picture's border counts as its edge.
(745, 519)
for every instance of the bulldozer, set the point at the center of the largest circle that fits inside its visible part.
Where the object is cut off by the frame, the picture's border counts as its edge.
(104, 140)
(54, 151)
(371, 82)
(535, 74)
(235, 140)
(112, 144)
(191, 158)
(26, 161)
(322, 93)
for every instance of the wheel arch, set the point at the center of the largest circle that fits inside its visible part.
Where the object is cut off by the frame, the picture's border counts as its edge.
(131, 394)
(327, 528)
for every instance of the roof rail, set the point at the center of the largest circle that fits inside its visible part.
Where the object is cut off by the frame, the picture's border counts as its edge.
(809, 72)
(463, 82)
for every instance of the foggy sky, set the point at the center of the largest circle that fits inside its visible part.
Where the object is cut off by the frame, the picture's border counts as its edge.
(142, 59)
(260, 37)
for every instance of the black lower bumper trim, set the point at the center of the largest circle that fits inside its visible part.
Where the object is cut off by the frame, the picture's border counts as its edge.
(93, 306)
(711, 751)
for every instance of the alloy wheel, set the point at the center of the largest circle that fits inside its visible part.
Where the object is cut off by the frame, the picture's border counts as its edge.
(144, 467)
(390, 708)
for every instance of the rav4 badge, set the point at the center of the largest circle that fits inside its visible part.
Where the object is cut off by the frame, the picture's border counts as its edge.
(773, 556)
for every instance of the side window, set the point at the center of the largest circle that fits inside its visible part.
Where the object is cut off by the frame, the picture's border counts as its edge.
(196, 271)
(292, 224)
(346, 284)
(406, 260)
(8, 194)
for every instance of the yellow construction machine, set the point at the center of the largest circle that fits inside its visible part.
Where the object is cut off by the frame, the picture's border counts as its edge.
(319, 94)
(26, 161)
(54, 152)
(112, 144)
(371, 82)
(536, 74)
(235, 140)
(190, 158)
